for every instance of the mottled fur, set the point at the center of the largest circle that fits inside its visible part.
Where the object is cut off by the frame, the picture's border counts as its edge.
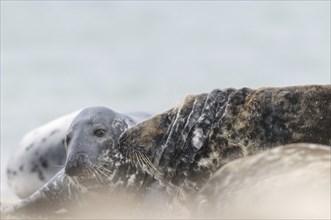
(184, 146)
(94, 166)
(189, 142)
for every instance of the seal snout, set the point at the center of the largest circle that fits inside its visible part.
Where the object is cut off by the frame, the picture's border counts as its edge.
(77, 165)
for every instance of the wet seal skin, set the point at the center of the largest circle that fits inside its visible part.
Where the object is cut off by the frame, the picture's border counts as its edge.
(291, 181)
(188, 143)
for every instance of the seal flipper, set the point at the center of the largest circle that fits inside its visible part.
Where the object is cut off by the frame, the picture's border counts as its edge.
(48, 199)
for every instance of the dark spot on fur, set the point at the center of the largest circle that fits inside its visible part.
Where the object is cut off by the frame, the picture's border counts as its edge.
(29, 147)
(54, 132)
(37, 169)
(9, 174)
(36, 153)
(43, 140)
(14, 173)
(43, 162)
(21, 167)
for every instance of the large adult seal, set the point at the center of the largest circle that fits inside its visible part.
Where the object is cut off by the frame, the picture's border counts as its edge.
(182, 147)
(189, 142)
(291, 181)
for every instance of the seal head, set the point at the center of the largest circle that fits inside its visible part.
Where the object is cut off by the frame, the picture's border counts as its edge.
(91, 140)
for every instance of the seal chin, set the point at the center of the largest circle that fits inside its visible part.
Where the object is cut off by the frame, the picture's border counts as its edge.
(87, 179)
(88, 176)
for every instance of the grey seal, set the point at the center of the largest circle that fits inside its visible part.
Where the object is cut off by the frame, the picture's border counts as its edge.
(41, 153)
(39, 156)
(93, 164)
(291, 181)
(191, 141)
(181, 148)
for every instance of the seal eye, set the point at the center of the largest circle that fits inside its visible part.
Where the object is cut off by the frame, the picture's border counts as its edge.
(67, 139)
(66, 142)
(100, 132)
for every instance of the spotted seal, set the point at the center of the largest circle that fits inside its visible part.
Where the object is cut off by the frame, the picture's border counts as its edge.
(181, 148)
(89, 142)
(189, 142)
(291, 181)
(41, 154)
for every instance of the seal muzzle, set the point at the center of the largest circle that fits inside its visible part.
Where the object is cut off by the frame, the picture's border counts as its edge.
(77, 165)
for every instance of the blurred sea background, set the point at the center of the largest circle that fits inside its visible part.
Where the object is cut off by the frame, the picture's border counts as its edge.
(61, 56)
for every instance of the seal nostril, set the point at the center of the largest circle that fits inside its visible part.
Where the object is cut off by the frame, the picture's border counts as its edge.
(76, 165)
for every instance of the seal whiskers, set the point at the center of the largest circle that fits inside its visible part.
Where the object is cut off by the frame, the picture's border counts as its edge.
(97, 175)
(190, 141)
(103, 173)
(150, 167)
(141, 164)
(93, 163)
(100, 174)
